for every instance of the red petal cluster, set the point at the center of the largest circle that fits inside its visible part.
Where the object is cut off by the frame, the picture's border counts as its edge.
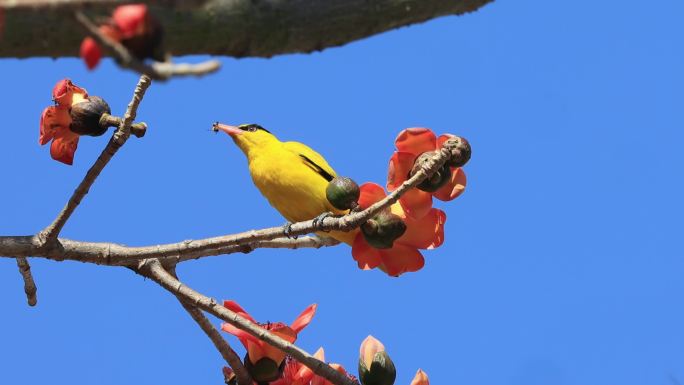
(424, 233)
(131, 25)
(296, 373)
(411, 143)
(258, 349)
(55, 121)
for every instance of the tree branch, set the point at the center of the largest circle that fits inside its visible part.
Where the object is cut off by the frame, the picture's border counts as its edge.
(219, 342)
(154, 270)
(236, 28)
(118, 139)
(113, 254)
(157, 71)
(29, 284)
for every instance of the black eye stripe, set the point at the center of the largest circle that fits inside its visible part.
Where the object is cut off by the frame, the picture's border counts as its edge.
(252, 128)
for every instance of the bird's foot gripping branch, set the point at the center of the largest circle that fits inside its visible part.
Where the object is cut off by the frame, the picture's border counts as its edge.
(388, 230)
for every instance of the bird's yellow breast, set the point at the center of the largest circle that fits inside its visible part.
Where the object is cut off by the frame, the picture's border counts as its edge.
(291, 186)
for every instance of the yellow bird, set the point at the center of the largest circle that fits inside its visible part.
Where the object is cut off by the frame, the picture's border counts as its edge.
(291, 175)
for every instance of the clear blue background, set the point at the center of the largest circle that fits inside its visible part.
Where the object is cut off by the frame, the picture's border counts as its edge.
(563, 262)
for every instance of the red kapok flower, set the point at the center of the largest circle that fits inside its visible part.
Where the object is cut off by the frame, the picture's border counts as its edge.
(421, 378)
(296, 373)
(131, 25)
(258, 349)
(411, 143)
(55, 121)
(424, 233)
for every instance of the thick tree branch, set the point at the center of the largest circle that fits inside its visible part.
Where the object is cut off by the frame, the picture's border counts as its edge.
(229, 27)
(157, 71)
(118, 139)
(29, 284)
(154, 270)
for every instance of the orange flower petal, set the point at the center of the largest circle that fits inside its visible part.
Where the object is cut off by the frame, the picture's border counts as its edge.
(425, 233)
(400, 165)
(366, 256)
(65, 93)
(369, 347)
(304, 319)
(421, 378)
(90, 52)
(236, 308)
(454, 187)
(416, 140)
(130, 19)
(401, 259)
(53, 121)
(370, 193)
(64, 146)
(416, 203)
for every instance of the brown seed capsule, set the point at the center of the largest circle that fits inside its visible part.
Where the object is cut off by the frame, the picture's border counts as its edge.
(85, 116)
(460, 151)
(343, 193)
(382, 230)
(265, 370)
(434, 181)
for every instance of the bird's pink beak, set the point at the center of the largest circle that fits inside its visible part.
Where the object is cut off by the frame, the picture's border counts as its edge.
(230, 130)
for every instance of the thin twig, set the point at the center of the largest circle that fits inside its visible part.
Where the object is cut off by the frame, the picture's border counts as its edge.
(157, 71)
(154, 270)
(29, 284)
(219, 342)
(118, 139)
(138, 129)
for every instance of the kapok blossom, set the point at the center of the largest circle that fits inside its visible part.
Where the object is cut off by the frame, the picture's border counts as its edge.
(131, 25)
(411, 143)
(55, 121)
(424, 233)
(421, 378)
(258, 349)
(295, 373)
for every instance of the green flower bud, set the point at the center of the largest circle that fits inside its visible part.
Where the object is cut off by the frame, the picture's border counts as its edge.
(343, 193)
(382, 230)
(375, 365)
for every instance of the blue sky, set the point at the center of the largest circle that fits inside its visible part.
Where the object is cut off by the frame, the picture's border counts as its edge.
(563, 260)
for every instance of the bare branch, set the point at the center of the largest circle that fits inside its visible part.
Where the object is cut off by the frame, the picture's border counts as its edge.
(154, 270)
(118, 139)
(219, 342)
(113, 254)
(157, 71)
(29, 284)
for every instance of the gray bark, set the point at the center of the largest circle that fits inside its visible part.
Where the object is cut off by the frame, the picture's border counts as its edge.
(239, 28)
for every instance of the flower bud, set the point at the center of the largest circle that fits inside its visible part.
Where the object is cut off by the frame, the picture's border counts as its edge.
(375, 365)
(421, 378)
(85, 116)
(382, 230)
(264, 370)
(460, 151)
(343, 193)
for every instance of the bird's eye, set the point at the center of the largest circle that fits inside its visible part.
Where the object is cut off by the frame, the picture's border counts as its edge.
(251, 128)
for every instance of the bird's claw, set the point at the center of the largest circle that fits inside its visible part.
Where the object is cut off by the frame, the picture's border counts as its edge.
(287, 230)
(318, 221)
